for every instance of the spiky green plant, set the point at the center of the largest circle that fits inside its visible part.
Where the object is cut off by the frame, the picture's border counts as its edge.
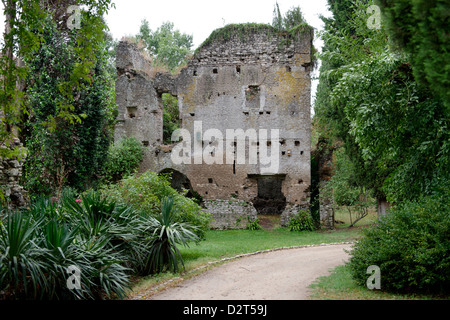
(23, 263)
(167, 234)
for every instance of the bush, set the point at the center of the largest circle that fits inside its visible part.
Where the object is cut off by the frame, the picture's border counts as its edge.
(145, 192)
(302, 221)
(106, 241)
(163, 251)
(124, 158)
(253, 224)
(410, 245)
(37, 246)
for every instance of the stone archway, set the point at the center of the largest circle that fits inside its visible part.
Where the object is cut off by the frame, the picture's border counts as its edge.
(179, 181)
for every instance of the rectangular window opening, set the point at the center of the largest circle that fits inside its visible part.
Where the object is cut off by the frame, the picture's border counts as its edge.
(131, 111)
(252, 97)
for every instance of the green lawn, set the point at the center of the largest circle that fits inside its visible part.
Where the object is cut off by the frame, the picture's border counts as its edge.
(229, 243)
(340, 286)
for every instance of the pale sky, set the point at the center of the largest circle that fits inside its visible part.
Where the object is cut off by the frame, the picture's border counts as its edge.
(200, 17)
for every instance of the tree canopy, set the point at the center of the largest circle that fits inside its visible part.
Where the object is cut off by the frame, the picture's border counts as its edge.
(421, 29)
(394, 131)
(167, 46)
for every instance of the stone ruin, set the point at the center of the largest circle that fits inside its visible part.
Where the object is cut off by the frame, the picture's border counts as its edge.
(240, 81)
(10, 174)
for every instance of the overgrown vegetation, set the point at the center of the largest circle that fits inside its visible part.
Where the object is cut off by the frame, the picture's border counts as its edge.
(144, 192)
(168, 47)
(171, 117)
(164, 253)
(60, 151)
(420, 28)
(124, 157)
(253, 224)
(284, 27)
(302, 221)
(106, 242)
(411, 247)
(347, 192)
(393, 131)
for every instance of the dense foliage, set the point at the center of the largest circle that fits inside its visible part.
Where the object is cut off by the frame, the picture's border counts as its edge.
(145, 192)
(105, 241)
(395, 134)
(124, 157)
(164, 253)
(420, 28)
(168, 47)
(171, 117)
(410, 245)
(301, 221)
(66, 148)
(291, 19)
(24, 33)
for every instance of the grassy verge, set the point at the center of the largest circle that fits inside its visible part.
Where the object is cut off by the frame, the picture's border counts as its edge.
(340, 286)
(218, 245)
(229, 243)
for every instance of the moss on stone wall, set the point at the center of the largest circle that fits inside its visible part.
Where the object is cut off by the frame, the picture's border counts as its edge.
(245, 30)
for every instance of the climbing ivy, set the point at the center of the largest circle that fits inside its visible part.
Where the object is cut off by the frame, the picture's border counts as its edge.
(62, 152)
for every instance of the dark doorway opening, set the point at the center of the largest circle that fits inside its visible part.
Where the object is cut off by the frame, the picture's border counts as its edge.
(181, 182)
(270, 199)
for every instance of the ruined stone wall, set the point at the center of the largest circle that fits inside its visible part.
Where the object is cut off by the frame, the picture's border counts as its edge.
(140, 112)
(255, 80)
(10, 174)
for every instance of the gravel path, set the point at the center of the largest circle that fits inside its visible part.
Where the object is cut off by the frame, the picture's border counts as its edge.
(277, 275)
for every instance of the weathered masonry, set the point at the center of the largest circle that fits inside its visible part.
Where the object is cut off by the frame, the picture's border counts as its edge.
(244, 84)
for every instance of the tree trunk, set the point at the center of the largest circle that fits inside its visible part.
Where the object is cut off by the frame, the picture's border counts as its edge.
(382, 207)
(9, 71)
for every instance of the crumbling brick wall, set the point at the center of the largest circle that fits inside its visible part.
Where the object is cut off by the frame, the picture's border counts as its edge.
(246, 78)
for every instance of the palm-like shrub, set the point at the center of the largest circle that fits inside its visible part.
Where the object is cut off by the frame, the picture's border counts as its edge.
(167, 234)
(23, 263)
(105, 241)
(38, 245)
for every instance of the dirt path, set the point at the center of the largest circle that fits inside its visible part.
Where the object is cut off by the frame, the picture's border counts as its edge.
(277, 275)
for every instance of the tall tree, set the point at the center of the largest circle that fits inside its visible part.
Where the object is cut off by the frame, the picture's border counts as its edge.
(65, 154)
(344, 46)
(373, 105)
(168, 47)
(291, 19)
(26, 36)
(20, 18)
(23, 34)
(421, 29)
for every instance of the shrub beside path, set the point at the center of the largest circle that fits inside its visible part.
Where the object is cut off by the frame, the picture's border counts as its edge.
(281, 274)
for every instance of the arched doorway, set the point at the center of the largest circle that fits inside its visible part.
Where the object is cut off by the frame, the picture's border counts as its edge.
(181, 182)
